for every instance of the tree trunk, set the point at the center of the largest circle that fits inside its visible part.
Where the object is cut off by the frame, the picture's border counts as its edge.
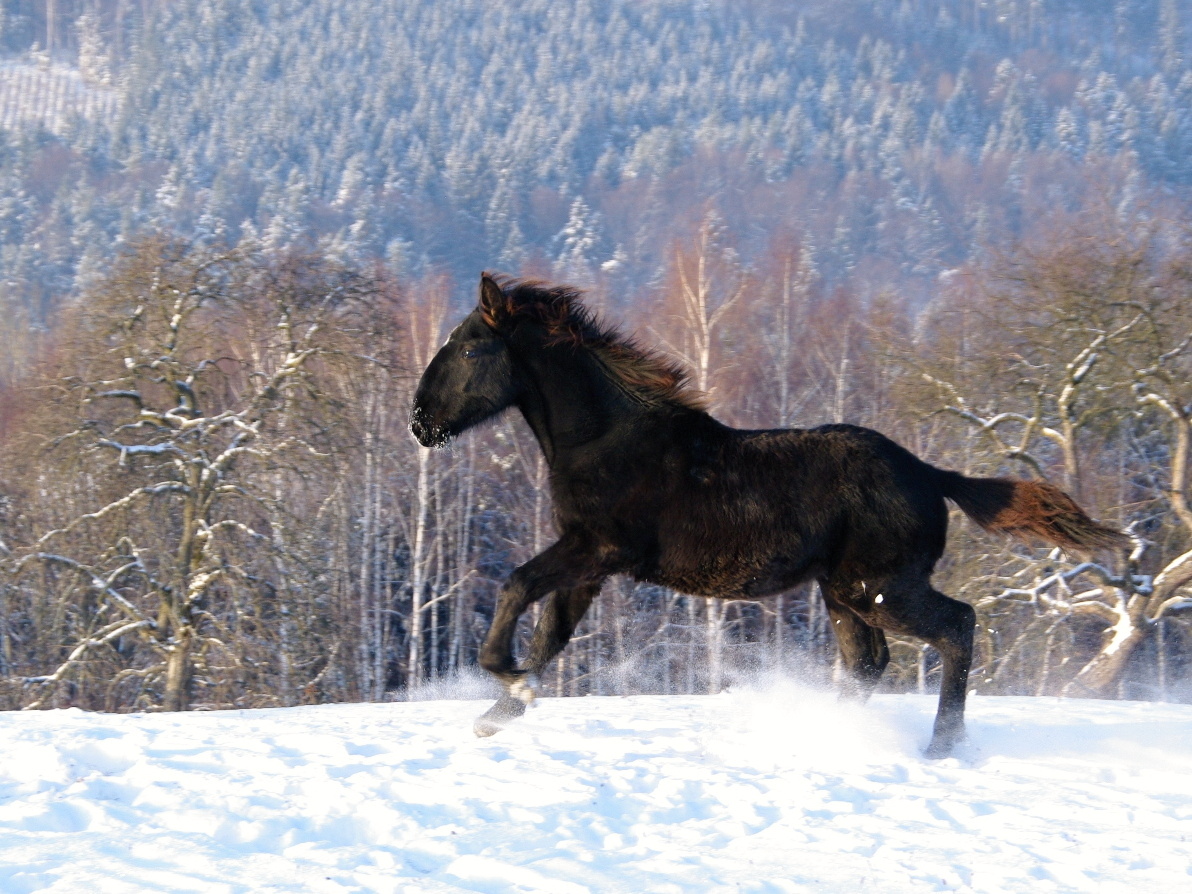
(368, 646)
(179, 670)
(715, 633)
(418, 568)
(779, 631)
(1098, 678)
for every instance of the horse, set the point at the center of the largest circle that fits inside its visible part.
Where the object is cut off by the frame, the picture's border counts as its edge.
(645, 482)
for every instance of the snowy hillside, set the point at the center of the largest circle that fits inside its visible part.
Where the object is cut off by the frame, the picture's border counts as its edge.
(770, 790)
(894, 139)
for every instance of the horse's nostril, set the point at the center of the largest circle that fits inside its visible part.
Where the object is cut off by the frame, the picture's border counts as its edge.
(418, 424)
(427, 434)
(421, 431)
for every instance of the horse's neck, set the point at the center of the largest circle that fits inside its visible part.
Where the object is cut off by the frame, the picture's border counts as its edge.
(569, 402)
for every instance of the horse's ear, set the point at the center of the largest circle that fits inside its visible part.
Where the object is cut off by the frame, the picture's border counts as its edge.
(494, 306)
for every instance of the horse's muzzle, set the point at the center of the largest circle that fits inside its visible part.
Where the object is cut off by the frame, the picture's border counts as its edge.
(426, 432)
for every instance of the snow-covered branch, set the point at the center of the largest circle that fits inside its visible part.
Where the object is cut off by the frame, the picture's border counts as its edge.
(101, 637)
(123, 503)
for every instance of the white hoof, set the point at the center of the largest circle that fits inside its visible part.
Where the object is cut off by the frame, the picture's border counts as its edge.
(483, 728)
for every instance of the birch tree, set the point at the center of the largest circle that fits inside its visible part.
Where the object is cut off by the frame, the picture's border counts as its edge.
(427, 589)
(707, 283)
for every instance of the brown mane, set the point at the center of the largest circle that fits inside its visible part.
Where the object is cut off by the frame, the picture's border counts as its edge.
(646, 373)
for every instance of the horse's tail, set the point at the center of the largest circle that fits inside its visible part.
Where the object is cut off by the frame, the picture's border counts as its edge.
(1028, 509)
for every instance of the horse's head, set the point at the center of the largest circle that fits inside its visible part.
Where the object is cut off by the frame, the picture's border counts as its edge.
(471, 378)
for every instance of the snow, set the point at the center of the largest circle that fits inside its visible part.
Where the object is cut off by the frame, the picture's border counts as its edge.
(50, 94)
(769, 789)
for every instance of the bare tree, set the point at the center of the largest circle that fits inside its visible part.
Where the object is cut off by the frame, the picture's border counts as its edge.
(189, 440)
(1089, 343)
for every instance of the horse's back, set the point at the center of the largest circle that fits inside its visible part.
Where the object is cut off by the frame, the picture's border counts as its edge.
(884, 499)
(756, 512)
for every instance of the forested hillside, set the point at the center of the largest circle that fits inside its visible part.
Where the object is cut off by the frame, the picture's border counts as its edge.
(896, 138)
(231, 233)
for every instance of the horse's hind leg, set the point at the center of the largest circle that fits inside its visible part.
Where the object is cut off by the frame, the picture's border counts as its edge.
(947, 625)
(862, 647)
(563, 611)
(953, 638)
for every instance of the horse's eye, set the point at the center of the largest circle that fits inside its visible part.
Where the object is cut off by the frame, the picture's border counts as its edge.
(471, 352)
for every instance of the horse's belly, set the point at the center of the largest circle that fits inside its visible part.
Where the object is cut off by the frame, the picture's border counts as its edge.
(732, 577)
(738, 546)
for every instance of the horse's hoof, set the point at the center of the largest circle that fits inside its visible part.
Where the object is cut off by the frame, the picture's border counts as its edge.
(942, 746)
(937, 751)
(483, 727)
(498, 716)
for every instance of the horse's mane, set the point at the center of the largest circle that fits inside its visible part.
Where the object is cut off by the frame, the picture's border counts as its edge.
(646, 373)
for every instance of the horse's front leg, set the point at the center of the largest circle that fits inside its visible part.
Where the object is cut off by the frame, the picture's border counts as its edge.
(562, 569)
(562, 613)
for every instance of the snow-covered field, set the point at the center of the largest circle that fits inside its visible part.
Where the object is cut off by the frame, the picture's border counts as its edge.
(773, 789)
(51, 95)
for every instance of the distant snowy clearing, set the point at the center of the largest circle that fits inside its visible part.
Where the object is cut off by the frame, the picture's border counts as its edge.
(775, 789)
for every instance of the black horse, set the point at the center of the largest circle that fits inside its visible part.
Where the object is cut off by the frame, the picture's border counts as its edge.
(644, 482)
